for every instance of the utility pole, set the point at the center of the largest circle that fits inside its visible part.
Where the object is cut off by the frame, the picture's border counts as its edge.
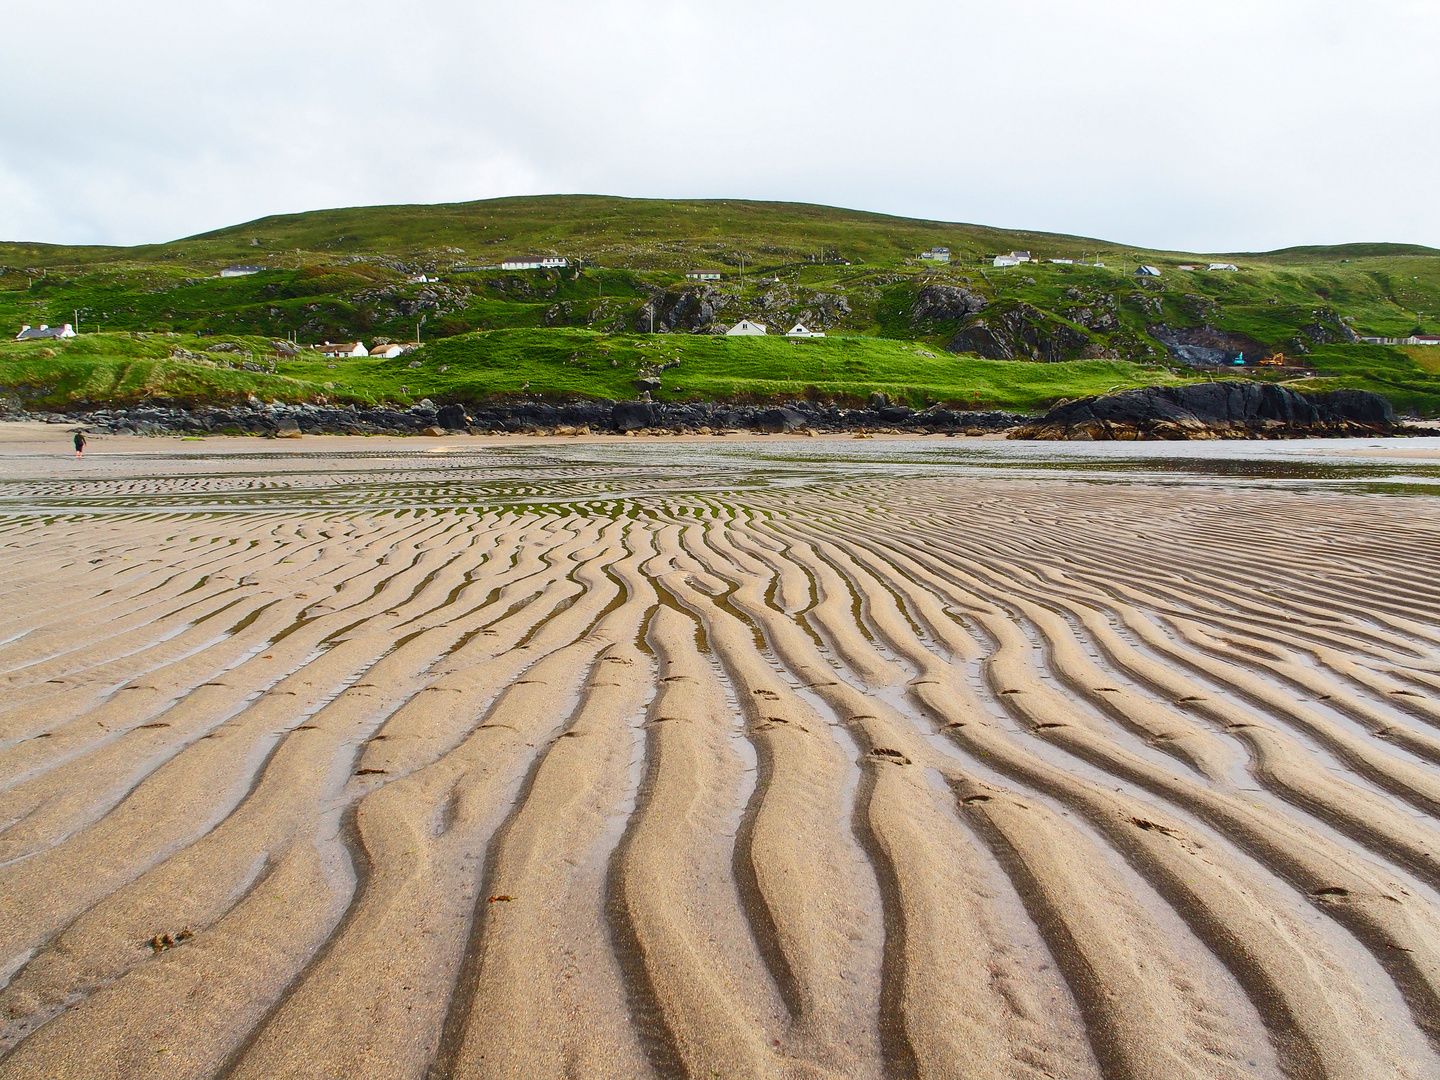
(76, 327)
(419, 323)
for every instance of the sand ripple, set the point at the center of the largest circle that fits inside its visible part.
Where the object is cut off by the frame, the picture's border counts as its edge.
(592, 775)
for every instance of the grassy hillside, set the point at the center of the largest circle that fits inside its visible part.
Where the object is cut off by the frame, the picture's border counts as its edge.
(123, 369)
(346, 274)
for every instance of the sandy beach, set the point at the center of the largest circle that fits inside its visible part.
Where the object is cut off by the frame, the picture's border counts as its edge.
(731, 757)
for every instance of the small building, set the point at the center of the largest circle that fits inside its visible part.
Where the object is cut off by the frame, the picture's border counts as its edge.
(1063, 262)
(1222, 266)
(702, 275)
(241, 271)
(41, 332)
(341, 348)
(535, 262)
(1424, 339)
(1146, 271)
(393, 349)
(746, 328)
(801, 330)
(1020, 256)
(1187, 266)
(1006, 260)
(938, 254)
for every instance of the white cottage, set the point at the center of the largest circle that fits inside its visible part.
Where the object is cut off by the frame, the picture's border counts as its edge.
(1223, 266)
(702, 275)
(342, 348)
(535, 262)
(746, 328)
(392, 350)
(1006, 260)
(36, 333)
(801, 330)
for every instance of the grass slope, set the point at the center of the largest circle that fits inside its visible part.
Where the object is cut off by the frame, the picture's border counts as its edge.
(352, 273)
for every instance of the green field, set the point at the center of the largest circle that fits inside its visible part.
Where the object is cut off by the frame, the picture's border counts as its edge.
(115, 368)
(347, 274)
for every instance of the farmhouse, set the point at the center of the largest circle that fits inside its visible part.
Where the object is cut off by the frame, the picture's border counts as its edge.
(801, 330)
(746, 328)
(1020, 256)
(702, 275)
(341, 348)
(1006, 260)
(1146, 271)
(535, 262)
(1413, 339)
(241, 271)
(35, 333)
(939, 254)
(393, 349)
(1223, 266)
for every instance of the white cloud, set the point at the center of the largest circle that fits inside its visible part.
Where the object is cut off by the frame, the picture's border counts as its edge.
(1220, 125)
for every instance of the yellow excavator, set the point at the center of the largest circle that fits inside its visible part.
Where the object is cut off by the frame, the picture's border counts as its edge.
(1277, 360)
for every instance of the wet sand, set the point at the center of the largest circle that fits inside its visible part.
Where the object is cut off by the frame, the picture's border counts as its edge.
(725, 757)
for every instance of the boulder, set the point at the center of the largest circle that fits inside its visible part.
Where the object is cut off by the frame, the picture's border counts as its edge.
(632, 415)
(451, 417)
(775, 421)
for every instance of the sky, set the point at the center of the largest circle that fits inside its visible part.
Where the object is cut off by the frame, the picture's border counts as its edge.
(1197, 125)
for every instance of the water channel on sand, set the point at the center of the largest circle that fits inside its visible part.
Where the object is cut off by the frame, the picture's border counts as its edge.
(736, 757)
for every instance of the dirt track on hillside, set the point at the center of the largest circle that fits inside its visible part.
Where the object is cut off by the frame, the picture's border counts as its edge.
(988, 777)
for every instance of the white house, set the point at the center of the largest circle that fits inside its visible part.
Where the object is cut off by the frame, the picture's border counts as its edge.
(939, 254)
(35, 333)
(1064, 262)
(801, 330)
(1020, 256)
(1006, 260)
(746, 328)
(535, 262)
(1146, 271)
(241, 271)
(702, 275)
(1223, 266)
(342, 348)
(393, 349)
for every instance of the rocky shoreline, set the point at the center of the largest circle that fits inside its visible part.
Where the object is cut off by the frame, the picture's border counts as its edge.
(427, 418)
(1230, 409)
(1216, 410)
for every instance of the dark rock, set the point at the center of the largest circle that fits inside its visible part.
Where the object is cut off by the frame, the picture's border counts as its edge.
(777, 420)
(945, 303)
(632, 415)
(1202, 346)
(1203, 410)
(451, 417)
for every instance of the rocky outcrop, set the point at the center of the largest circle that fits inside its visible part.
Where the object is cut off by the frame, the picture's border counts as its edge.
(1018, 332)
(1204, 346)
(944, 303)
(683, 310)
(1229, 409)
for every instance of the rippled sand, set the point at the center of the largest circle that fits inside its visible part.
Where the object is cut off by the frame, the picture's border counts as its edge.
(746, 758)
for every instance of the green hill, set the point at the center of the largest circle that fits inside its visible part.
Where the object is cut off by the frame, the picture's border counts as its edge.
(355, 273)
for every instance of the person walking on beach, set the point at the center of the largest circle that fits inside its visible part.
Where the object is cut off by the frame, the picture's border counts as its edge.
(79, 445)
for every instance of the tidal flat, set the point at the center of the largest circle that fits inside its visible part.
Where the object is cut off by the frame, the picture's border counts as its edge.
(729, 757)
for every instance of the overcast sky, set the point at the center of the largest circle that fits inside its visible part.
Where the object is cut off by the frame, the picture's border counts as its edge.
(1194, 124)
